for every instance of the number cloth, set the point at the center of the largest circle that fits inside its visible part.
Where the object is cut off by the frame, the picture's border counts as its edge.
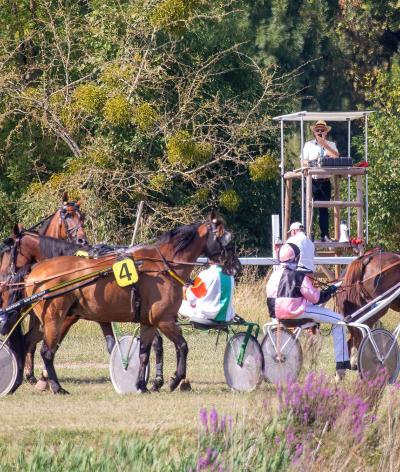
(211, 295)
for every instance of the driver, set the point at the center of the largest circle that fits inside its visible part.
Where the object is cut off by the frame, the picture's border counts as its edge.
(210, 296)
(291, 295)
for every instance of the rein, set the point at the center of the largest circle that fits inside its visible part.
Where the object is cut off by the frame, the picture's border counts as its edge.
(361, 282)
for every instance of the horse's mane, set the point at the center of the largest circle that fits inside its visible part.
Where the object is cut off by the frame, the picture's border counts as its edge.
(45, 224)
(6, 245)
(52, 247)
(350, 283)
(180, 237)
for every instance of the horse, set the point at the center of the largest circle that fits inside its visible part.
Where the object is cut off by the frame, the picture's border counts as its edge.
(65, 223)
(158, 289)
(366, 278)
(29, 247)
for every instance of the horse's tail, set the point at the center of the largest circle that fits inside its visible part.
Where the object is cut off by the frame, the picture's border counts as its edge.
(17, 293)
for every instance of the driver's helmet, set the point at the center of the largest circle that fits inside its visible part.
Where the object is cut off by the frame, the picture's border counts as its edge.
(289, 253)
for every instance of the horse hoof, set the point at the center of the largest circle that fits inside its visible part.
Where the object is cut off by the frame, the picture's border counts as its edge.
(173, 383)
(31, 379)
(185, 386)
(157, 383)
(42, 385)
(60, 391)
(143, 390)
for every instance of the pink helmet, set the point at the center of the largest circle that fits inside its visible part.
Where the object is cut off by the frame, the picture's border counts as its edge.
(289, 252)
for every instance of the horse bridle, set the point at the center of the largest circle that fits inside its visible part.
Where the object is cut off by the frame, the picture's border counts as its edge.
(66, 211)
(213, 240)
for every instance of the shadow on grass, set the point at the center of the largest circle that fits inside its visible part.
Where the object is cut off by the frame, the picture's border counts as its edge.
(85, 380)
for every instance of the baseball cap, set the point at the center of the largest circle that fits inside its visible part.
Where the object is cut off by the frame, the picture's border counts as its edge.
(296, 225)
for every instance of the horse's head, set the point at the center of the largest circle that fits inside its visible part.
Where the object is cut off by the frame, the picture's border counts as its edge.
(70, 222)
(220, 247)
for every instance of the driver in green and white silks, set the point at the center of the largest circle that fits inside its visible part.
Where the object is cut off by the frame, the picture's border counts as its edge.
(210, 296)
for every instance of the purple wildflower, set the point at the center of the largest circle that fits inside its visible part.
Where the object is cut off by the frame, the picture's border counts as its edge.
(203, 418)
(214, 420)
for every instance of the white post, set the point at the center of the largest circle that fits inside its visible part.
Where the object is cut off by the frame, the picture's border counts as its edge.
(276, 232)
(302, 169)
(137, 222)
(348, 177)
(366, 178)
(282, 178)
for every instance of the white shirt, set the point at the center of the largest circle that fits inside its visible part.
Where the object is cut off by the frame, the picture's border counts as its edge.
(312, 150)
(307, 250)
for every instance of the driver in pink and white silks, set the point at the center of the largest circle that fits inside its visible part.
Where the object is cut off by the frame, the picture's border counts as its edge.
(210, 296)
(291, 295)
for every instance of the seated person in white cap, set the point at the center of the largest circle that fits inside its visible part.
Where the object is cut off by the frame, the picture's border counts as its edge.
(321, 187)
(306, 246)
(291, 295)
(210, 296)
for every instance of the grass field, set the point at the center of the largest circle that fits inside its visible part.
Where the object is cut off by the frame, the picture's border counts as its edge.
(94, 414)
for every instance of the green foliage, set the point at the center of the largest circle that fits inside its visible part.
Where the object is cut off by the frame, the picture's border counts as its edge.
(89, 98)
(171, 14)
(118, 111)
(144, 116)
(230, 200)
(384, 170)
(182, 149)
(264, 168)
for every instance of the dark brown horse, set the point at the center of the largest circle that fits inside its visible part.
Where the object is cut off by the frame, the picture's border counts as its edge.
(366, 278)
(104, 301)
(29, 247)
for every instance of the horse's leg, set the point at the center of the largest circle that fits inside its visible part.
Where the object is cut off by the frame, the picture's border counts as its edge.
(32, 338)
(43, 383)
(51, 339)
(146, 338)
(108, 336)
(157, 345)
(174, 333)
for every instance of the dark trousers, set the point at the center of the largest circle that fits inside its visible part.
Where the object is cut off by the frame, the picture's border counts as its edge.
(321, 189)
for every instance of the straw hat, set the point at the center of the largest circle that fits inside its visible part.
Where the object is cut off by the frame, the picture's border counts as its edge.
(321, 124)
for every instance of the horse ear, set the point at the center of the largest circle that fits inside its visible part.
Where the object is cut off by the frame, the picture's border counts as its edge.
(213, 216)
(17, 229)
(65, 197)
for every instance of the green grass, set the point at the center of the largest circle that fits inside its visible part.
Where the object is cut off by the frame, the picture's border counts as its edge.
(94, 418)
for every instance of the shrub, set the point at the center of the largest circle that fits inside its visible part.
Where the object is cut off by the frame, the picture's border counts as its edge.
(117, 110)
(182, 149)
(264, 168)
(230, 200)
(89, 98)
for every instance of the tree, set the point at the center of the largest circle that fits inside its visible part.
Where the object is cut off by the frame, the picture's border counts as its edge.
(135, 100)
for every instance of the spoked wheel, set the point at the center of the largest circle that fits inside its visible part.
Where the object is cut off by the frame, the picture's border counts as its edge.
(8, 370)
(369, 363)
(283, 356)
(245, 375)
(124, 365)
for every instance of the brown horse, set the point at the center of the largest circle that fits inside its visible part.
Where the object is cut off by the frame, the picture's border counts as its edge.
(366, 278)
(29, 247)
(65, 223)
(160, 294)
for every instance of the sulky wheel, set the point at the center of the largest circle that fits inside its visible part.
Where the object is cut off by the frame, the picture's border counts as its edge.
(283, 356)
(369, 364)
(8, 370)
(124, 365)
(243, 376)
